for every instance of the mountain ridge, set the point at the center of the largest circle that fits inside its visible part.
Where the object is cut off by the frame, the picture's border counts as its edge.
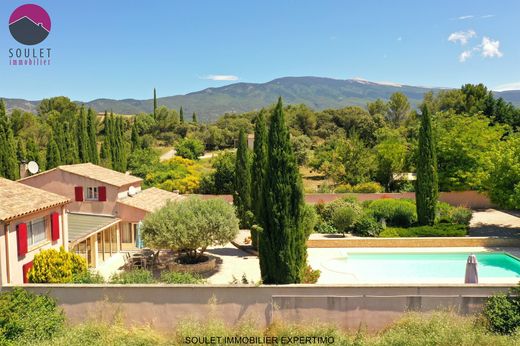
(316, 92)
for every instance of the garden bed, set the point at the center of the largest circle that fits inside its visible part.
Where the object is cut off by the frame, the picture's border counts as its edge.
(208, 264)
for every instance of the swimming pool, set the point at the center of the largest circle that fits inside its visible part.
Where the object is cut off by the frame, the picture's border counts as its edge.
(410, 267)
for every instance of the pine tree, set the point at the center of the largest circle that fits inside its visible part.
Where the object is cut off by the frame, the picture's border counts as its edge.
(181, 115)
(154, 104)
(134, 138)
(194, 118)
(282, 242)
(82, 135)
(242, 188)
(92, 136)
(427, 183)
(258, 173)
(53, 154)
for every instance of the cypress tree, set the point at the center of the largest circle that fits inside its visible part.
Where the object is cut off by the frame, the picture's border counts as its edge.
(33, 151)
(154, 104)
(181, 115)
(92, 136)
(71, 155)
(11, 162)
(282, 247)
(82, 134)
(59, 137)
(258, 172)
(242, 188)
(53, 154)
(21, 150)
(134, 138)
(427, 184)
(194, 118)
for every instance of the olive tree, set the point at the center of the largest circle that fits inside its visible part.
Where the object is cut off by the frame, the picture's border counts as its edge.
(191, 226)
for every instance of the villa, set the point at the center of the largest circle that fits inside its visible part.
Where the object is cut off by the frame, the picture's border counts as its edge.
(105, 207)
(31, 220)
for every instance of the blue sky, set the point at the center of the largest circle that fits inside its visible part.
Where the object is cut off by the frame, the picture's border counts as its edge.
(123, 49)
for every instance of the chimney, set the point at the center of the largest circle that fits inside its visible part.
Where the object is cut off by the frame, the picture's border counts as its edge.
(23, 169)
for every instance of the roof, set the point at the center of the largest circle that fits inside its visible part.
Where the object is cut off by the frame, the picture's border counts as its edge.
(96, 172)
(150, 199)
(18, 199)
(81, 226)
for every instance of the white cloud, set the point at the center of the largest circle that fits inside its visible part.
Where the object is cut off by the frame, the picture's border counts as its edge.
(508, 86)
(490, 48)
(465, 55)
(488, 16)
(461, 36)
(221, 77)
(465, 17)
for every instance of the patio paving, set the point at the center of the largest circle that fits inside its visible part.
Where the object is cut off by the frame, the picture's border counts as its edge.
(492, 222)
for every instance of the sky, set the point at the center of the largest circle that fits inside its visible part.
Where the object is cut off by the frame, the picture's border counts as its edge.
(123, 49)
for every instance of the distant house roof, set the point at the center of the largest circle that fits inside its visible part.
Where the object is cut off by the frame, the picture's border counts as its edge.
(82, 226)
(18, 199)
(150, 199)
(96, 172)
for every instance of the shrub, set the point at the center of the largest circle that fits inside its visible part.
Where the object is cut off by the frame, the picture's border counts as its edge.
(135, 276)
(191, 225)
(343, 188)
(325, 228)
(28, 318)
(169, 277)
(310, 276)
(344, 218)
(502, 312)
(309, 218)
(395, 212)
(367, 226)
(370, 187)
(190, 148)
(52, 266)
(439, 230)
(88, 277)
(449, 214)
(325, 211)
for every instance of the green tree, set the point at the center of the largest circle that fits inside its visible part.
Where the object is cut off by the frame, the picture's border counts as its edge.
(258, 174)
(53, 154)
(222, 180)
(154, 104)
(190, 148)
(191, 226)
(92, 136)
(82, 135)
(21, 150)
(33, 151)
(181, 115)
(242, 190)
(194, 118)
(398, 108)
(378, 107)
(503, 182)
(71, 154)
(134, 138)
(391, 152)
(282, 247)
(427, 184)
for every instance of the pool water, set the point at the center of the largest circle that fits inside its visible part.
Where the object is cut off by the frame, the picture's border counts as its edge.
(408, 267)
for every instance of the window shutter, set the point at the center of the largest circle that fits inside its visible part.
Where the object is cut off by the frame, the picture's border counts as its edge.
(102, 193)
(21, 237)
(25, 268)
(55, 226)
(78, 191)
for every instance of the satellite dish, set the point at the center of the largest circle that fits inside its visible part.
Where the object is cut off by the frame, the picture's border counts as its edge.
(33, 167)
(132, 191)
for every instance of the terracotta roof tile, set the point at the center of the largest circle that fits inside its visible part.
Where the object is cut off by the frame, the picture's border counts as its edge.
(151, 199)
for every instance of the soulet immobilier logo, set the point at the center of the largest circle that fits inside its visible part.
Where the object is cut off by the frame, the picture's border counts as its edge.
(30, 25)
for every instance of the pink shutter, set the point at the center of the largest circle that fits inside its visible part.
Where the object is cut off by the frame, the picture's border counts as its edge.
(25, 268)
(55, 226)
(21, 237)
(102, 193)
(78, 191)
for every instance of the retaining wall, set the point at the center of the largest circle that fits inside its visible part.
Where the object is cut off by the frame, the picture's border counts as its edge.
(163, 306)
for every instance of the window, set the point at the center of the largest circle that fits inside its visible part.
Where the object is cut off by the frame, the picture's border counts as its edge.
(92, 193)
(36, 231)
